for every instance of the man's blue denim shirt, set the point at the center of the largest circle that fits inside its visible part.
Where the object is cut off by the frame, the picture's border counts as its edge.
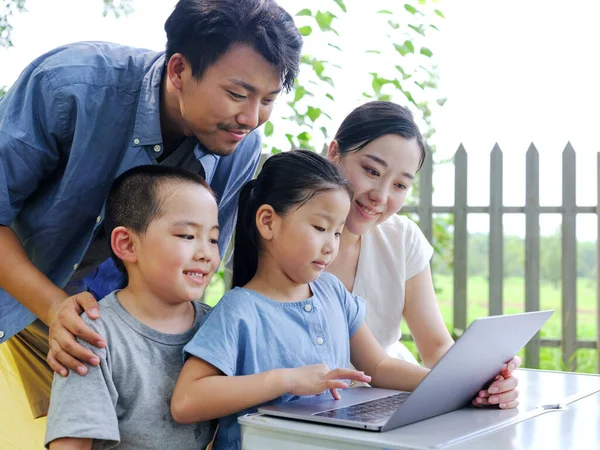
(76, 118)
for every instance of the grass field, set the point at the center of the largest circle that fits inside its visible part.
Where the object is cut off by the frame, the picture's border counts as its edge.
(514, 302)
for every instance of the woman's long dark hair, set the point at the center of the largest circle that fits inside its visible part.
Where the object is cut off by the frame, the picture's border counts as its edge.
(373, 120)
(286, 180)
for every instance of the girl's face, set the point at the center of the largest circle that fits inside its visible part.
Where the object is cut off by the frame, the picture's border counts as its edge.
(381, 175)
(306, 240)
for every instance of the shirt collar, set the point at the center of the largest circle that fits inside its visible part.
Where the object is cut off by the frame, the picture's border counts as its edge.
(146, 130)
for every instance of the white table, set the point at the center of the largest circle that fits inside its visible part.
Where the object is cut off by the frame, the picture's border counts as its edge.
(570, 419)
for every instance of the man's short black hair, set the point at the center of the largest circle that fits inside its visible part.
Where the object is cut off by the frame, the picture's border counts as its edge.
(203, 30)
(134, 201)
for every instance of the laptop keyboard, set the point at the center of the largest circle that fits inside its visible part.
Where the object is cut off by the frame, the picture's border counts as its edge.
(373, 411)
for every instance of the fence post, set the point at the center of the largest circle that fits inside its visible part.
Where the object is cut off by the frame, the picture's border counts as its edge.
(496, 250)
(460, 240)
(426, 197)
(598, 264)
(532, 248)
(569, 260)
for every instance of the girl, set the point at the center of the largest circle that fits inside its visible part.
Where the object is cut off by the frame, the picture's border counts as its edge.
(286, 323)
(380, 149)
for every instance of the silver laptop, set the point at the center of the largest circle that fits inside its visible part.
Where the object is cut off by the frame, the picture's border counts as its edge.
(475, 359)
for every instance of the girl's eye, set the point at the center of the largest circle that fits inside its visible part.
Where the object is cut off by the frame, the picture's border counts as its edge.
(236, 96)
(318, 228)
(338, 234)
(214, 241)
(402, 186)
(189, 237)
(370, 171)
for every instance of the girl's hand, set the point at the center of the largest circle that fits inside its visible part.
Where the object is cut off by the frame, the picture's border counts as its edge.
(503, 390)
(312, 380)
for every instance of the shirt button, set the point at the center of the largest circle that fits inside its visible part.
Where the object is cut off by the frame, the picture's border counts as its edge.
(157, 148)
(320, 340)
(75, 266)
(307, 308)
(136, 141)
(1, 334)
(98, 219)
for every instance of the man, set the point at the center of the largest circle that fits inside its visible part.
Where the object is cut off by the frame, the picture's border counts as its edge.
(81, 115)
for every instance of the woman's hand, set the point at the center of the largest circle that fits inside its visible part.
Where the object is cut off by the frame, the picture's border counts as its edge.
(65, 326)
(503, 390)
(312, 380)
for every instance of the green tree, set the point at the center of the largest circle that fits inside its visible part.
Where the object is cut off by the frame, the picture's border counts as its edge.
(8, 8)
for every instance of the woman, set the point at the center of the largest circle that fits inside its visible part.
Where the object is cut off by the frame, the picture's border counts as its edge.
(384, 257)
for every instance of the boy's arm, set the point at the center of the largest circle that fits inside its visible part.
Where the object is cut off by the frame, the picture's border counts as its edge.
(71, 444)
(386, 372)
(203, 393)
(84, 407)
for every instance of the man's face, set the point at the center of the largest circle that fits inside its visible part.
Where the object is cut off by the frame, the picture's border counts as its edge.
(234, 96)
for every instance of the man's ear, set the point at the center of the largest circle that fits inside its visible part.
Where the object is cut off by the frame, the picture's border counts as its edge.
(333, 152)
(266, 221)
(123, 245)
(176, 67)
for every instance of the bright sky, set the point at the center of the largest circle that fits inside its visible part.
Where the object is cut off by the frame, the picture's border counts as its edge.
(514, 72)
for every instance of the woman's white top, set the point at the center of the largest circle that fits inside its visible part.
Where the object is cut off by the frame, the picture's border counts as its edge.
(392, 253)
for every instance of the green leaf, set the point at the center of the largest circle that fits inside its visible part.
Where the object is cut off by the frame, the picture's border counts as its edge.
(290, 139)
(324, 131)
(410, 8)
(434, 27)
(439, 13)
(268, 128)
(422, 2)
(300, 91)
(313, 113)
(329, 96)
(385, 11)
(324, 20)
(394, 25)
(304, 12)
(441, 101)
(334, 46)
(377, 52)
(305, 31)
(275, 150)
(405, 48)
(304, 136)
(341, 4)
(425, 51)
(405, 76)
(418, 28)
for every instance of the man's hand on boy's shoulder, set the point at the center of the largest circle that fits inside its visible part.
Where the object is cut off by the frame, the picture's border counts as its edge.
(65, 325)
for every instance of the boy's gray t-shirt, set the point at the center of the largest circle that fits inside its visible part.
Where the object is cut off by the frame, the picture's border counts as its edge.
(125, 402)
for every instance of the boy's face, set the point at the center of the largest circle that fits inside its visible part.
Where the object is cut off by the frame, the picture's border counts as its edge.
(178, 255)
(234, 96)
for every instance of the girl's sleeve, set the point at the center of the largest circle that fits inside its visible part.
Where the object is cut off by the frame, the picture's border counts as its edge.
(354, 306)
(218, 338)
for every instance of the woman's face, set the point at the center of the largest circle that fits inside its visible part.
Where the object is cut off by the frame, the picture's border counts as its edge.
(381, 175)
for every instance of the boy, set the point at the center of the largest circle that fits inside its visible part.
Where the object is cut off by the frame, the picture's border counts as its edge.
(163, 230)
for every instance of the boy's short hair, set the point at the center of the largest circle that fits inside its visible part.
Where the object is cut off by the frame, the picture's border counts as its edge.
(133, 201)
(203, 30)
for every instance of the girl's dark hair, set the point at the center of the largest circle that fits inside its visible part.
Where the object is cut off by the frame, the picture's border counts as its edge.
(134, 201)
(373, 120)
(287, 180)
(203, 30)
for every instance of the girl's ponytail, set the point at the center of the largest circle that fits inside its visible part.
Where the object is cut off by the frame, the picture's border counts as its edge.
(245, 254)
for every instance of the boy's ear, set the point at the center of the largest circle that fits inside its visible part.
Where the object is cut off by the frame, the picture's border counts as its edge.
(266, 219)
(333, 152)
(123, 245)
